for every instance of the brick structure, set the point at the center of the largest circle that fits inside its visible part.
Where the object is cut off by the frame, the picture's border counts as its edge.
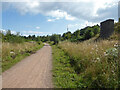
(107, 28)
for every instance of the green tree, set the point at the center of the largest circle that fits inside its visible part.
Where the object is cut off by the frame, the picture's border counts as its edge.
(55, 38)
(89, 33)
(8, 32)
(96, 29)
(67, 35)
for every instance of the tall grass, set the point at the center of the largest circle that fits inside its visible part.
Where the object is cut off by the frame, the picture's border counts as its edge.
(14, 52)
(14, 48)
(95, 62)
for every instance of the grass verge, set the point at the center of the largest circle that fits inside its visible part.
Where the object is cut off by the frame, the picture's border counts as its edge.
(13, 53)
(64, 75)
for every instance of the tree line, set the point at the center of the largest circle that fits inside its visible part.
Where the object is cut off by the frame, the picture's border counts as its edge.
(77, 36)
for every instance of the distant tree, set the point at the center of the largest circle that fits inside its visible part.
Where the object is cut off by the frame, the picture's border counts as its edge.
(18, 34)
(55, 38)
(89, 33)
(82, 31)
(8, 32)
(67, 35)
(76, 34)
(96, 29)
(29, 37)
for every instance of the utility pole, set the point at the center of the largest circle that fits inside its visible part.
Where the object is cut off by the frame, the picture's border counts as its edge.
(67, 28)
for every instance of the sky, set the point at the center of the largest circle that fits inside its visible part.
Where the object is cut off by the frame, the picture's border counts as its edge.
(50, 17)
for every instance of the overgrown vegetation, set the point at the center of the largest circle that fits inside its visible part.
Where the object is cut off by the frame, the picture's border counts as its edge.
(14, 52)
(16, 47)
(86, 65)
(96, 62)
(78, 60)
(90, 64)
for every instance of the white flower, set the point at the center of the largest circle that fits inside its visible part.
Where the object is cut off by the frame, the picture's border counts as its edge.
(92, 48)
(98, 58)
(112, 71)
(96, 45)
(96, 50)
(105, 54)
(116, 45)
(12, 52)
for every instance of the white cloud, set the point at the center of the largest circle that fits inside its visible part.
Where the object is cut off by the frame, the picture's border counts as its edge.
(88, 10)
(34, 32)
(51, 20)
(59, 14)
(34, 4)
(25, 33)
(13, 32)
(68, 17)
(5, 31)
(37, 27)
(90, 23)
(73, 27)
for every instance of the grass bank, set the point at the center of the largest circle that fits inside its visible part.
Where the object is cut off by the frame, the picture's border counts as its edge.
(14, 52)
(90, 64)
(64, 75)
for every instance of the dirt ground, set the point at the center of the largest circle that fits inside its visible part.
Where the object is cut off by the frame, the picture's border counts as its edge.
(32, 72)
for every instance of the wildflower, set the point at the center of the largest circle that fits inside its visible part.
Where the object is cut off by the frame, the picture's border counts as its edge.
(90, 52)
(105, 54)
(96, 50)
(92, 48)
(98, 58)
(116, 45)
(96, 45)
(112, 71)
(95, 61)
(12, 52)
